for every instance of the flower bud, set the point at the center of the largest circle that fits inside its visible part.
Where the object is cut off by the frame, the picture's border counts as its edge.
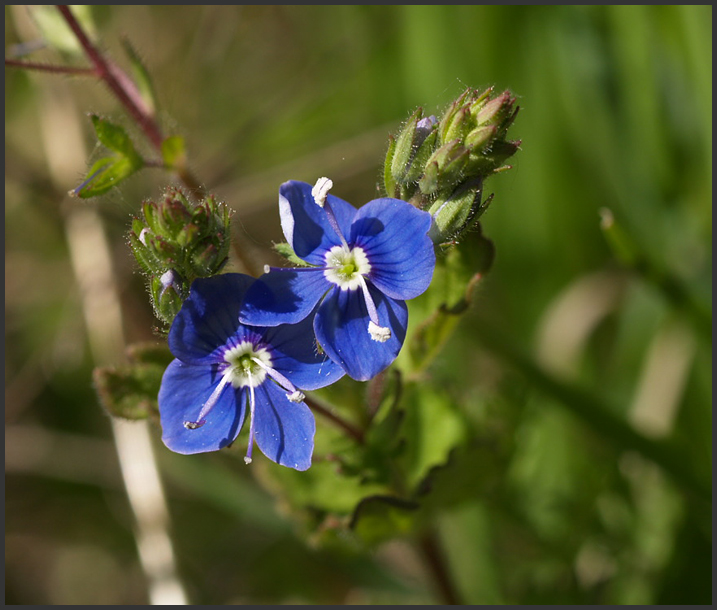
(176, 242)
(408, 155)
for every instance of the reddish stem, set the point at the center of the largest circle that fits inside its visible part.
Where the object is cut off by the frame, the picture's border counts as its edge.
(32, 65)
(350, 429)
(106, 73)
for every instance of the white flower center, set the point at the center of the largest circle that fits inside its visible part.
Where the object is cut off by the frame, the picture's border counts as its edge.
(345, 268)
(244, 371)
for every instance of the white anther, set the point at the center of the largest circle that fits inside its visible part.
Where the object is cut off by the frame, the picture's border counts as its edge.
(379, 333)
(296, 396)
(267, 268)
(247, 460)
(321, 190)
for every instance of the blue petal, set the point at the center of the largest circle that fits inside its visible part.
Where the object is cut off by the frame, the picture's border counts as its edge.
(185, 388)
(305, 224)
(296, 356)
(284, 296)
(208, 318)
(284, 430)
(341, 326)
(393, 234)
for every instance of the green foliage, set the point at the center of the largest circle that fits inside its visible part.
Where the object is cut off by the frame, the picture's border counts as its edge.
(108, 172)
(130, 391)
(174, 152)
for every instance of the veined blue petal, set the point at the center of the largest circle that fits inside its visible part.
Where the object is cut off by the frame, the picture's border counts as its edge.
(283, 296)
(208, 317)
(393, 234)
(305, 224)
(185, 388)
(296, 356)
(341, 326)
(283, 430)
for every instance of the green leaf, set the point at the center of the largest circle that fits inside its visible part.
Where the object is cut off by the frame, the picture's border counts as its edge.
(109, 171)
(471, 471)
(150, 353)
(380, 518)
(432, 427)
(129, 391)
(324, 487)
(104, 174)
(174, 152)
(115, 138)
(436, 313)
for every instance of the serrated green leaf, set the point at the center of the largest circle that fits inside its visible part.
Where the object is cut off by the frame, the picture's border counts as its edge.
(129, 391)
(323, 487)
(380, 518)
(150, 353)
(470, 472)
(432, 427)
(174, 153)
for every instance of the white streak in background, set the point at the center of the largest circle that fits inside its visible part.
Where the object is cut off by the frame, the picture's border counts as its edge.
(572, 317)
(92, 266)
(662, 381)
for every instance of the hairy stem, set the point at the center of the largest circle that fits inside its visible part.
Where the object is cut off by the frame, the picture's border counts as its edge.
(121, 87)
(32, 65)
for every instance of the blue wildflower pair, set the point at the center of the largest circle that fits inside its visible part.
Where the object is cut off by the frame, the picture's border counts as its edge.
(251, 344)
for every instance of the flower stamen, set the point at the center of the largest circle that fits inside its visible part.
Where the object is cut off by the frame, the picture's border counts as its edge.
(378, 333)
(292, 393)
(247, 457)
(209, 404)
(321, 190)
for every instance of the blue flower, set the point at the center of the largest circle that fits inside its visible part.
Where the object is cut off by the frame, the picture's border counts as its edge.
(364, 265)
(222, 366)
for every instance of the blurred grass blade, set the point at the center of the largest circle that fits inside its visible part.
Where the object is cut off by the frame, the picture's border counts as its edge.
(632, 256)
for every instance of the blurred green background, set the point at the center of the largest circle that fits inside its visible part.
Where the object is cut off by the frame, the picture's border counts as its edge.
(616, 112)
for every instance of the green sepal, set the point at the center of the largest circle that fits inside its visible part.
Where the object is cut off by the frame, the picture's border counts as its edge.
(285, 250)
(389, 184)
(404, 150)
(422, 154)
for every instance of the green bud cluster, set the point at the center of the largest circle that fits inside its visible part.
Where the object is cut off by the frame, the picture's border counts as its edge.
(440, 165)
(176, 242)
